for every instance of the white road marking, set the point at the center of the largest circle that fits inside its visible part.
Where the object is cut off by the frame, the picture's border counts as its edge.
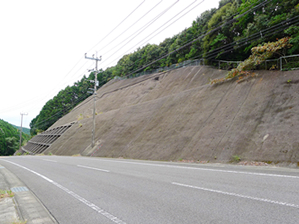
(83, 200)
(50, 160)
(93, 168)
(204, 169)
(238, 195)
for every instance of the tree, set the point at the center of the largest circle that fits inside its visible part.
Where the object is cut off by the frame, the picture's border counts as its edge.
(228, 33)
(12, 145)
(259, 55)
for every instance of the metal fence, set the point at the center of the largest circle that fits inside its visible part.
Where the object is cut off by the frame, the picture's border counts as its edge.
(226, 65)
(174, 66)
(162, 69)
(290, 62)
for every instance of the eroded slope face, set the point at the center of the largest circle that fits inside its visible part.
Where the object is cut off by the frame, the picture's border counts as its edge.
(178, 115)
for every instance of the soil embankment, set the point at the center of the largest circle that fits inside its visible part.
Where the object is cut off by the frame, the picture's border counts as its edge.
(178, 115)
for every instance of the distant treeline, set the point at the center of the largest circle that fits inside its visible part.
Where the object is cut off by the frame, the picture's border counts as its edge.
(24, 130)
(9, 138)
(226, 33)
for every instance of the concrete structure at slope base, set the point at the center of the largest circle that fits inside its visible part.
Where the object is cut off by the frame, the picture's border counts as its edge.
(39, 143)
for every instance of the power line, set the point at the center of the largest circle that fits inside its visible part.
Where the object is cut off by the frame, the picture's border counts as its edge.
(159, 28)
(202, 35)
(140, 31)
(117, 26)
(266, 32)
(169, 24)
(7, 109)
(138, 20)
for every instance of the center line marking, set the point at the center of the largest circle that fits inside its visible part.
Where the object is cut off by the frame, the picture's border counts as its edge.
(93, 168)
(237, 195)
(49, 160)
(78, 197)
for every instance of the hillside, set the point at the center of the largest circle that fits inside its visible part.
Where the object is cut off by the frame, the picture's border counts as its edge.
(177, 115)
(9, 138)
(228, 33)
(24, 130)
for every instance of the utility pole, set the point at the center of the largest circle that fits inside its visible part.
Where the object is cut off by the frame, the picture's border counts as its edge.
(22, 114)
(94, 94)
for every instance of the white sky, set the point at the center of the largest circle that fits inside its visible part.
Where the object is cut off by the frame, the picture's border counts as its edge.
(42, 43)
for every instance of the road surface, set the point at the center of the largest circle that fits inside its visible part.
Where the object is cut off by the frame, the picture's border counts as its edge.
(100, 190)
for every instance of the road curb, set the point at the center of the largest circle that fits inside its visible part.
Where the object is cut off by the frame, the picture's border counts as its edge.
(26, 205)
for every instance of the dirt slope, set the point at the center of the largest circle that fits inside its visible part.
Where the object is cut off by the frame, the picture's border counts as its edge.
(178, 115)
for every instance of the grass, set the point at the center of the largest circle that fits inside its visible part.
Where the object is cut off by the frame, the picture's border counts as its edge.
(236, 158)
(80, 117)
(6, 193)
(76, 155)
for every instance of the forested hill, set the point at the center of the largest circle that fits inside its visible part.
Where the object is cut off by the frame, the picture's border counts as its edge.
(227, 33)
(24, 130)
(9, 138)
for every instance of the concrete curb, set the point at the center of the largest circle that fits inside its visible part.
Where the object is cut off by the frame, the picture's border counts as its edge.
(24, 206)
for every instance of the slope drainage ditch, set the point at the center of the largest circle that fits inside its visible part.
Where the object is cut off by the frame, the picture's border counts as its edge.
(39, 143)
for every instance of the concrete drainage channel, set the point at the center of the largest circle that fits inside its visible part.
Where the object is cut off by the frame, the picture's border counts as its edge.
(39, 143)
(23, 206)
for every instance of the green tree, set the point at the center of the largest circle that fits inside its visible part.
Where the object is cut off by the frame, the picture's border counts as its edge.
(9, 136)
(12, 145)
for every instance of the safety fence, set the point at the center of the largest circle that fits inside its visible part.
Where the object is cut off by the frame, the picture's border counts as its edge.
(162, 69)
(283, 63)
(290, 62)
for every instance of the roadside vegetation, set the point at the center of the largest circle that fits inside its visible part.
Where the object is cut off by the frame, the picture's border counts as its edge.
(6, 193)
(9, 138)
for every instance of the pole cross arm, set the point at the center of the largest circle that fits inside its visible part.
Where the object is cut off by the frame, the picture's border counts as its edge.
(93, 58)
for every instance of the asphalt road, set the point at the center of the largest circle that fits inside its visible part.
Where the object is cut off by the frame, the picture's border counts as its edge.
(98, 190)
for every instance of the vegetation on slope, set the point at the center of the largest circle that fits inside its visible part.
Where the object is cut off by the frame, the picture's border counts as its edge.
(226, 33)
(259, 55)
(9, 138)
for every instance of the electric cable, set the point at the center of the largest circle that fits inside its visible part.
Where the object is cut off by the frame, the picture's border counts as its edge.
(139, 31)
(110, 32)
(162, 26)
(117, 26)
(192, 41)
(265, 32)
(209, 31)
(138, 20)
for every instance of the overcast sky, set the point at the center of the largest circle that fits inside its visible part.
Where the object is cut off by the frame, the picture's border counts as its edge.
(42, 43)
